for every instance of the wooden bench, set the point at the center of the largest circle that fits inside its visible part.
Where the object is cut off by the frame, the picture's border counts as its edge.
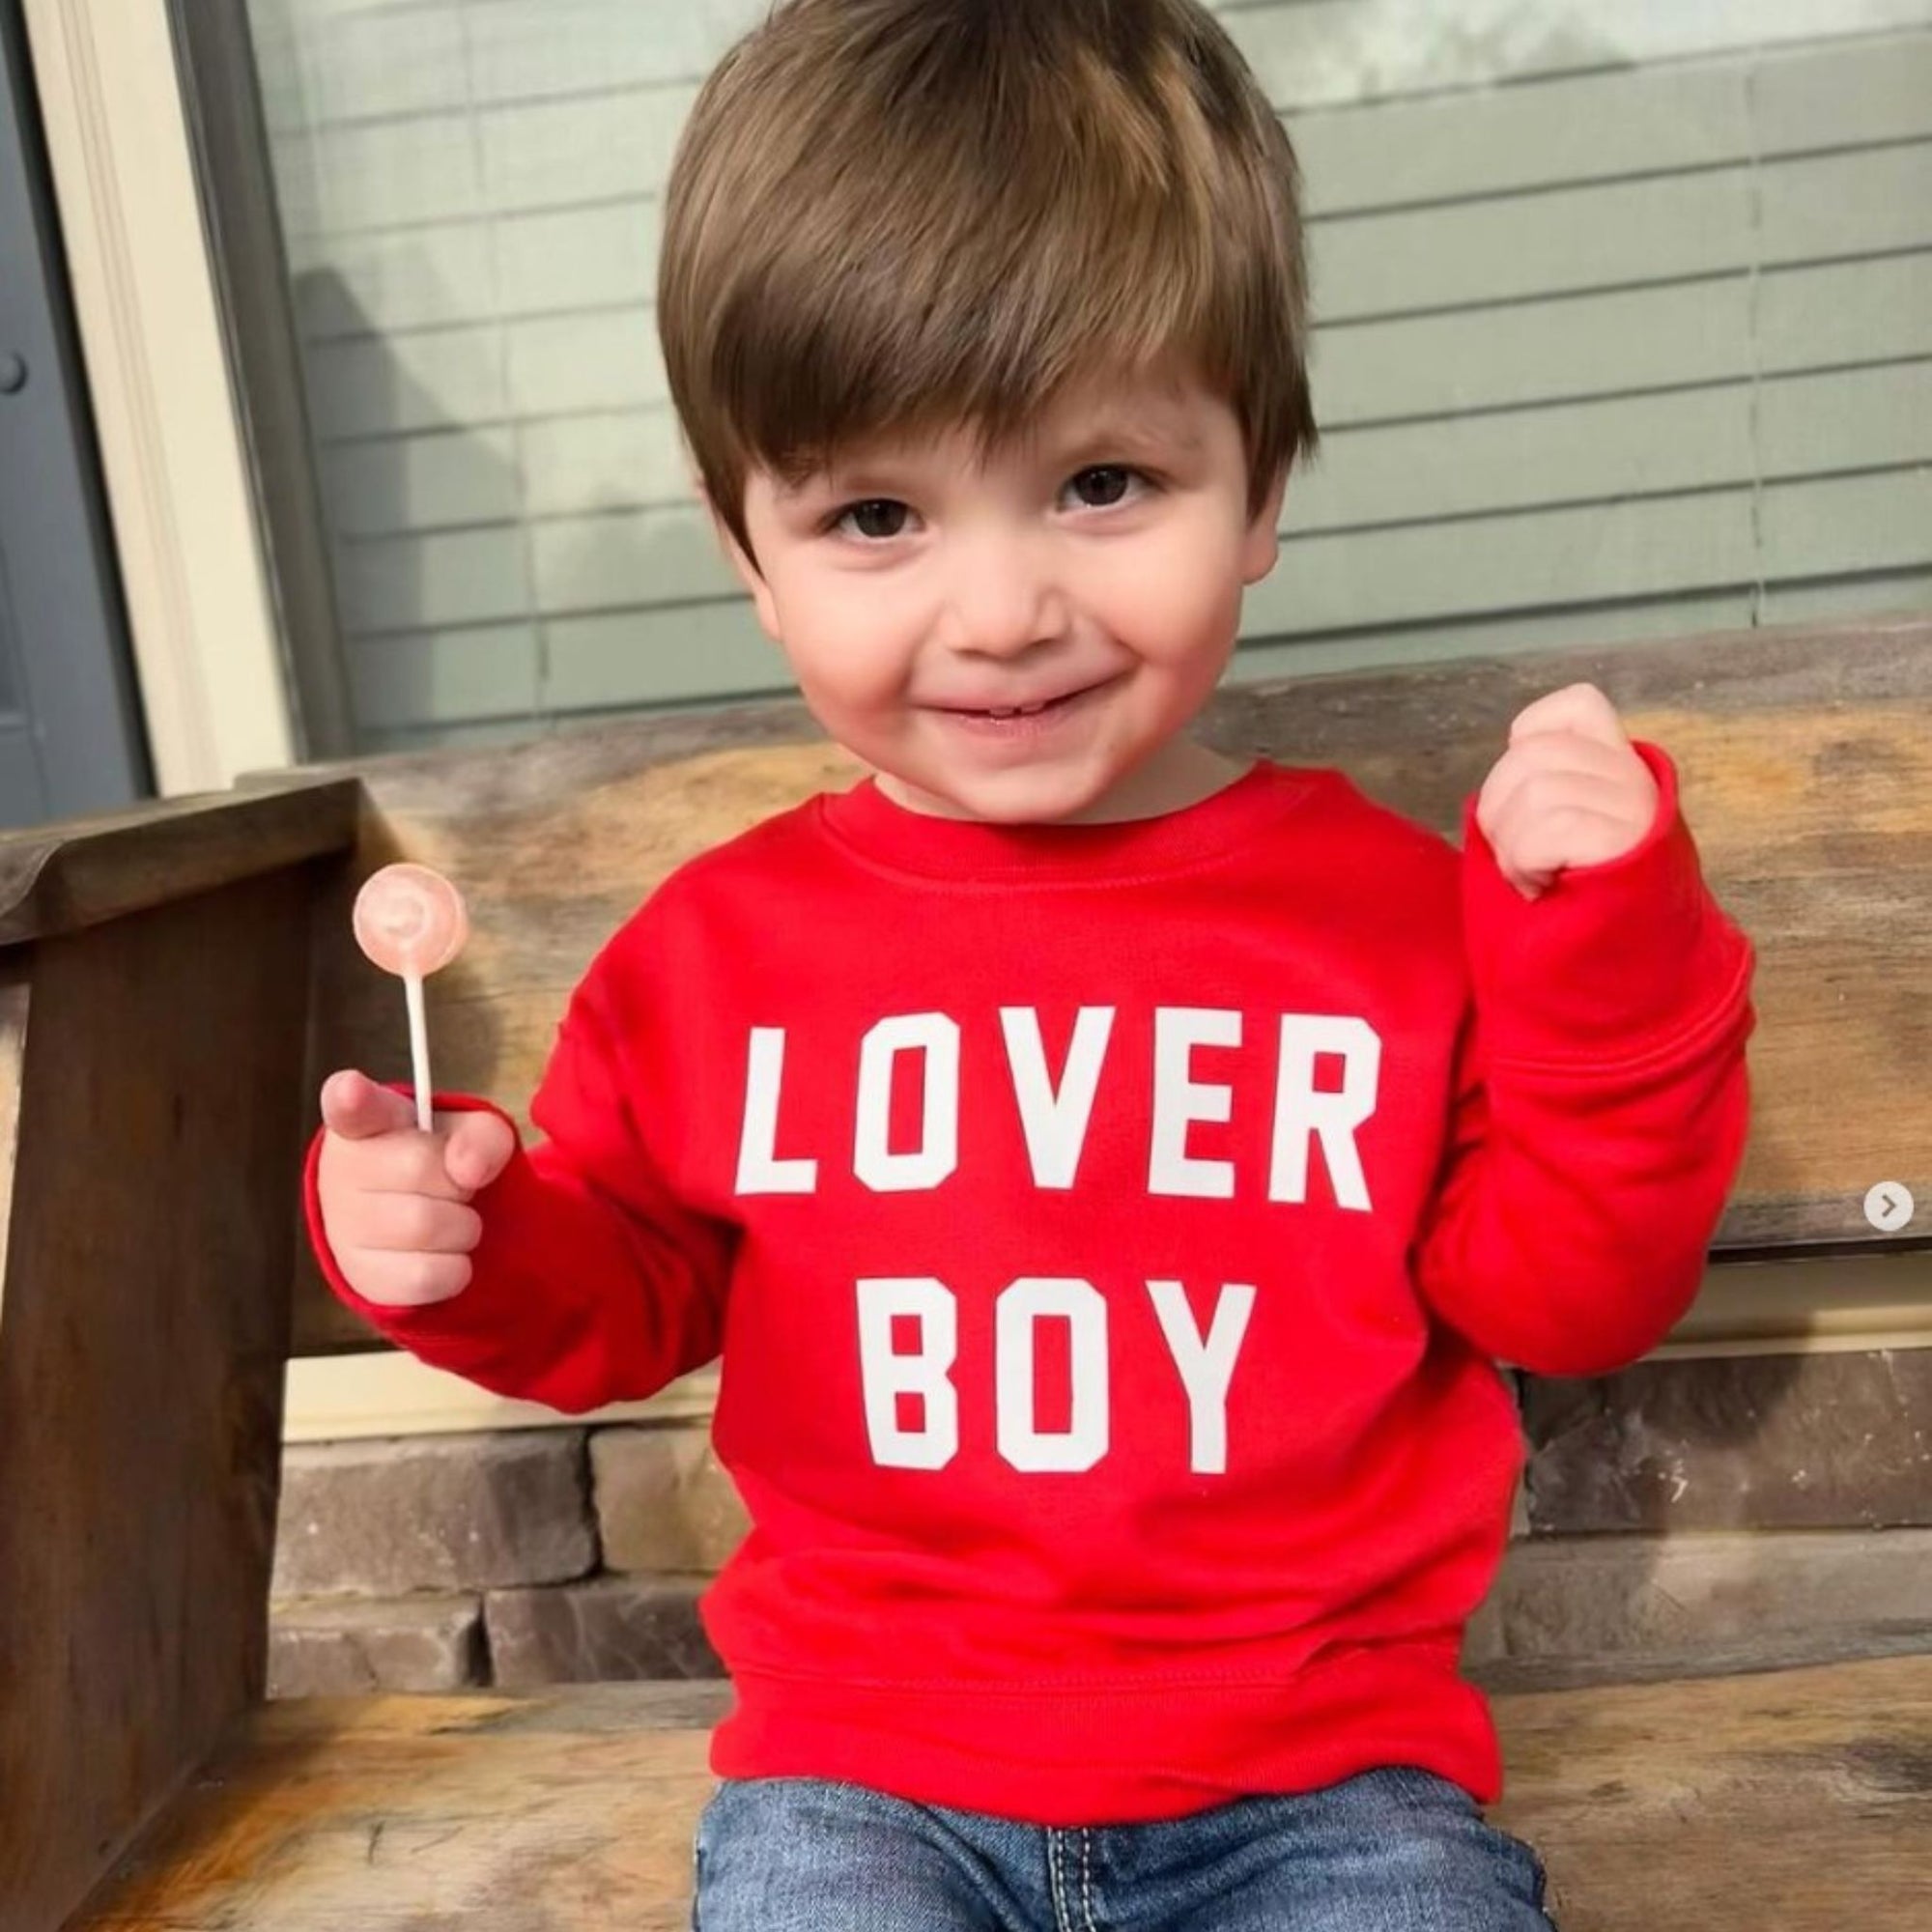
(172, 985)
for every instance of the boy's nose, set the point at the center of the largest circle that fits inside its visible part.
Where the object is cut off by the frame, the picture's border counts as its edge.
(1003, 604)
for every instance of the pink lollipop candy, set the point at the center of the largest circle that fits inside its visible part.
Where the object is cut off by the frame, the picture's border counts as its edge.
(410, 922)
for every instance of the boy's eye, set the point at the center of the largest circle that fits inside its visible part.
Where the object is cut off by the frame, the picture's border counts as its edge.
(876, 519)
(1102, 484)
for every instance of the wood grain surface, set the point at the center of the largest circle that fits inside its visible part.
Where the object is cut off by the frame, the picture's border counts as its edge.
(1798, 1799)
(59, 879)
(152, 1118)
(1807, 766)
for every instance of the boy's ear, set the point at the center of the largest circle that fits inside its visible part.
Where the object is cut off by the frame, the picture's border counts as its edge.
(1262, 543)
(748, 574)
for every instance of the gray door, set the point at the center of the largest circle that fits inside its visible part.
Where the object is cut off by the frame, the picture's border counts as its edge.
(70, 733)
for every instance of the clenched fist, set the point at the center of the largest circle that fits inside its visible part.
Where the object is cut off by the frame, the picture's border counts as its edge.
(1570, 790)
(395, 1201)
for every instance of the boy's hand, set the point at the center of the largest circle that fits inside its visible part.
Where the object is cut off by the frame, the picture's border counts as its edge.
(1570, 790)
(395, 1201)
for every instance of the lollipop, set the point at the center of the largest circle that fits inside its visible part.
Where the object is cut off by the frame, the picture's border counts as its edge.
(410, 922)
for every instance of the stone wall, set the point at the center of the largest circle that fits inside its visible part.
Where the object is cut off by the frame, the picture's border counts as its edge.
(1775, 1505)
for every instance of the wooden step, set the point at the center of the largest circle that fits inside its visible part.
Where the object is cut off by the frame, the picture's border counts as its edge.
(1799, 1800)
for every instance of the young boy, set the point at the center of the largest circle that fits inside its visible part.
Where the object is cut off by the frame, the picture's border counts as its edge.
(1109, 1170)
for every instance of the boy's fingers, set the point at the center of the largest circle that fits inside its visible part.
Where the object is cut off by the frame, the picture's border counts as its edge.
(412, 1224)
(356, 1108)
(404, 1280)
(478, 1148)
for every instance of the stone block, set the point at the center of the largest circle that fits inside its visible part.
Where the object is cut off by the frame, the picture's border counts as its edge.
(1592, 1595)
(664, 1502)
(352, 1647)
(469, 1511)
(607, 1628)
(1821, 1441)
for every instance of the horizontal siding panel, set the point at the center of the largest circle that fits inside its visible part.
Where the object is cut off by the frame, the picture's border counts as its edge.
(421, 482)
(1489, 635)
(1855, 419)
(379, 174)
(487, 673)
(592, 258)
(1828, 599)
(524, 48)
(538, 264)
(681, 654)
(565, 153)
(411, 278)
(1849, 524)
(1590, 128)
(590, 462)
(1837, 205)
(1620, 233)
(583, 362)
(1869, 91)
(1573, 347)
(1655, 547)
(457, 577)
(376, 384)
(398, 61)
(1333, 52)
(1628, 446)
(1863, 312)
(1602, 236)
(1639, 121)
(647, 556)
(1623, 446)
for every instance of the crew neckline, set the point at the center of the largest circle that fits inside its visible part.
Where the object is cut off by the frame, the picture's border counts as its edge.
(963, 850)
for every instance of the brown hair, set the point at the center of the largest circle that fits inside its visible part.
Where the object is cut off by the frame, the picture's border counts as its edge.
(891, 216)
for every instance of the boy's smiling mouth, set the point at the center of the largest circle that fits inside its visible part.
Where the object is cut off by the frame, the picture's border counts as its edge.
(1034, 708)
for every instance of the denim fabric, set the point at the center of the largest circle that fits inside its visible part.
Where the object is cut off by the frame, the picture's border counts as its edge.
(1391, 1851)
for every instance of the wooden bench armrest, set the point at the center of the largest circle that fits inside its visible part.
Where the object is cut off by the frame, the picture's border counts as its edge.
(154, 975)
(59, 879)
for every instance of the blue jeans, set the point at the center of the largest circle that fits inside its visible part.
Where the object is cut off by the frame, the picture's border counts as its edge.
(1391, 1851)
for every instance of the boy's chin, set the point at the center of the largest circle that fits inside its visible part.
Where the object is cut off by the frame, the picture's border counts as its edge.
(1023, 795)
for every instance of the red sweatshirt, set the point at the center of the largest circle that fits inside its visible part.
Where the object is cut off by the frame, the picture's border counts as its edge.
(1109, 1231)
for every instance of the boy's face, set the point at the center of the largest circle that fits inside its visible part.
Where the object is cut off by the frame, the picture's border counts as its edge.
(1096, 570)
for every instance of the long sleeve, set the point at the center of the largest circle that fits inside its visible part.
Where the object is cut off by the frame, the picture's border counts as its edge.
(1602, 1102)
(591, 1283)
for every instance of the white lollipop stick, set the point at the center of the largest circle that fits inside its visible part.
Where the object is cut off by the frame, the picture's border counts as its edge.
(412, 990)
(410, 922)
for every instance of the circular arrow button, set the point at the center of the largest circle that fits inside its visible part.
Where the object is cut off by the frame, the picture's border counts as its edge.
(1888, 1205)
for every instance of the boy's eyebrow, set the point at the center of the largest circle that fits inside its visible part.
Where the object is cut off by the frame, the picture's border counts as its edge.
(1153, 436)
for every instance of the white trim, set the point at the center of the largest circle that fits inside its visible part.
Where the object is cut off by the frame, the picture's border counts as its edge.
(206, 648)
(333, 1398)
(1777, 1308)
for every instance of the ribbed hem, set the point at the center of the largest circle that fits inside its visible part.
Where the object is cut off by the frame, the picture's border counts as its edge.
(1122, 1755)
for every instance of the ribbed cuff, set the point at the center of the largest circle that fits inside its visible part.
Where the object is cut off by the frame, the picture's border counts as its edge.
(1611, 962)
